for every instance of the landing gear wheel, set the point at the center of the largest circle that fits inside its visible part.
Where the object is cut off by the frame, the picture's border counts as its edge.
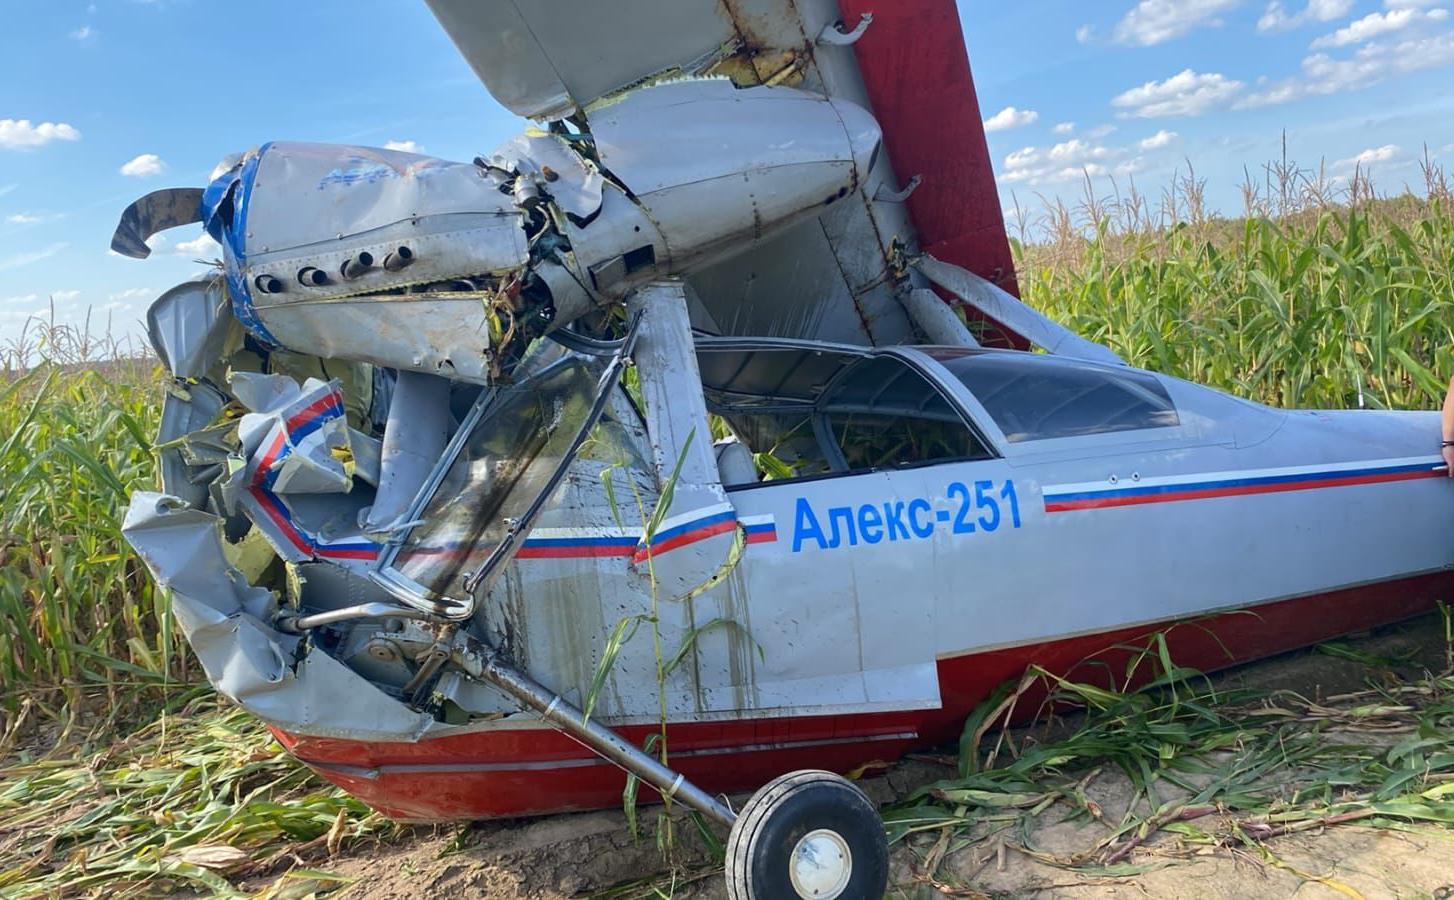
(809, 834)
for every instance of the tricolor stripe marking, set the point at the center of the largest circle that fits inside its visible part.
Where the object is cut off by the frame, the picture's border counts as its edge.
(311, 417)
(760, 529)
(688, 529)
(1208, 485)
(299, 425)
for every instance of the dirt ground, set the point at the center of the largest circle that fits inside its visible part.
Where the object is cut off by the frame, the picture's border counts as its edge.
(592, 854)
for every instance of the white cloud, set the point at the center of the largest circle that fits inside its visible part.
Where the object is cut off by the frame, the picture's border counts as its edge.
(1277, 18)
(84, 33)
(1085, 34)
(129, 295)
(144, 166)
(22, 134)
(1374, 62)
(64, 296)
(1065, 161)
(1386, 153)
(405, 146)
(1187, 93)
(1154, 21)
(1158, 140)
(1100, 131)
(1376, 24)
(1131, 167)
(1010, 117)
(203, 247)
(24, 259)
(32, 218)
(1064, 128)
(7, 188)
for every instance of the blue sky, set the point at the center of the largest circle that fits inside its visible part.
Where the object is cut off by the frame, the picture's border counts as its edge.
(101, 102)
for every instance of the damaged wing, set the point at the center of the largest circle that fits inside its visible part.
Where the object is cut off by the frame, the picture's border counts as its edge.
(844, 268)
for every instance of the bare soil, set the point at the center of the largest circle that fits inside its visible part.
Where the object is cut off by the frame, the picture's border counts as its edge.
(593, 853)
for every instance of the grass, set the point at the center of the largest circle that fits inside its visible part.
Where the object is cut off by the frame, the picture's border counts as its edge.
(82, 630)
(204, 801)
(1316, 298)
(1227, 769)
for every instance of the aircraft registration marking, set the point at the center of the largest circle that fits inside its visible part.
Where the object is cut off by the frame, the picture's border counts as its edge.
(982, 507)
(1207, 485)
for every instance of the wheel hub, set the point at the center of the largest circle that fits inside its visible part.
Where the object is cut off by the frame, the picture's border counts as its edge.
(821, 865)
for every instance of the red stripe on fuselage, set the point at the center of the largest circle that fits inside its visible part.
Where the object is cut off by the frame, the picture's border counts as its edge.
(1237, 491)
(524, 771)
(583, 551)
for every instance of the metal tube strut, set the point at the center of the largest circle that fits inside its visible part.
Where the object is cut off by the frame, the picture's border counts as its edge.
(289, 623)
(482, 662)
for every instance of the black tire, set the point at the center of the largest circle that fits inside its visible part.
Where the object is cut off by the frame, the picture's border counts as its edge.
(788, 809)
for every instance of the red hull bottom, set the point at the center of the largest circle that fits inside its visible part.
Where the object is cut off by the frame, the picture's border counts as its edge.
(530, 771)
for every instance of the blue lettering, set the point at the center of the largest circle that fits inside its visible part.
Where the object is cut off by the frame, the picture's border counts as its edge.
(870, 524)
(845, 514)
(894, 517)
(987, 501)
(916, 506)
(962, 525)
(805, 525)
(1008, 492)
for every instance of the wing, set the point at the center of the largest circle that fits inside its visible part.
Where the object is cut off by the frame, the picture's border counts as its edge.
(842, 275)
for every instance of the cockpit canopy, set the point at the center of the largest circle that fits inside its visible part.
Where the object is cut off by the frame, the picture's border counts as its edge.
(817, 410)
(1034, 396)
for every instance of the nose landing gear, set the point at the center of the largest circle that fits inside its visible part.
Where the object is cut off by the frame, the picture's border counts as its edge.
(810, 834)
(807, 834)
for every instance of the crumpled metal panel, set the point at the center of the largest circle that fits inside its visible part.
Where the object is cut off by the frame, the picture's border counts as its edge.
(188, 326)
(292, 442)
(295, 443)
(304, 194)
(439, 334)
(308, 231)
(574, 185)
(223, 619)
(415, 436)
(186, 409)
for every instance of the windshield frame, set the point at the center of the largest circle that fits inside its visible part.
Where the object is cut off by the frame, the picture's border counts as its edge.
(478, 582)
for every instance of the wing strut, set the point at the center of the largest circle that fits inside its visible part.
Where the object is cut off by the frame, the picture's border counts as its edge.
(995, 304)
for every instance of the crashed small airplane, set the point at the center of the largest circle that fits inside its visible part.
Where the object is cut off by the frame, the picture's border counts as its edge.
(725, 347)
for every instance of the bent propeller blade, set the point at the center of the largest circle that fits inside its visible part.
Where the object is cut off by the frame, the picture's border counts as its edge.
(156, 212)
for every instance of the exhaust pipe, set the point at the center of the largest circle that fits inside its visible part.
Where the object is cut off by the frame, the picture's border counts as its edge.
(357, 267)
(311, 277)
(399, 259)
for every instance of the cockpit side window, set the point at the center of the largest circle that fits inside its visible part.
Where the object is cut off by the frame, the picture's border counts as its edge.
(881, 414)
(1034, 397)
(810, 414)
